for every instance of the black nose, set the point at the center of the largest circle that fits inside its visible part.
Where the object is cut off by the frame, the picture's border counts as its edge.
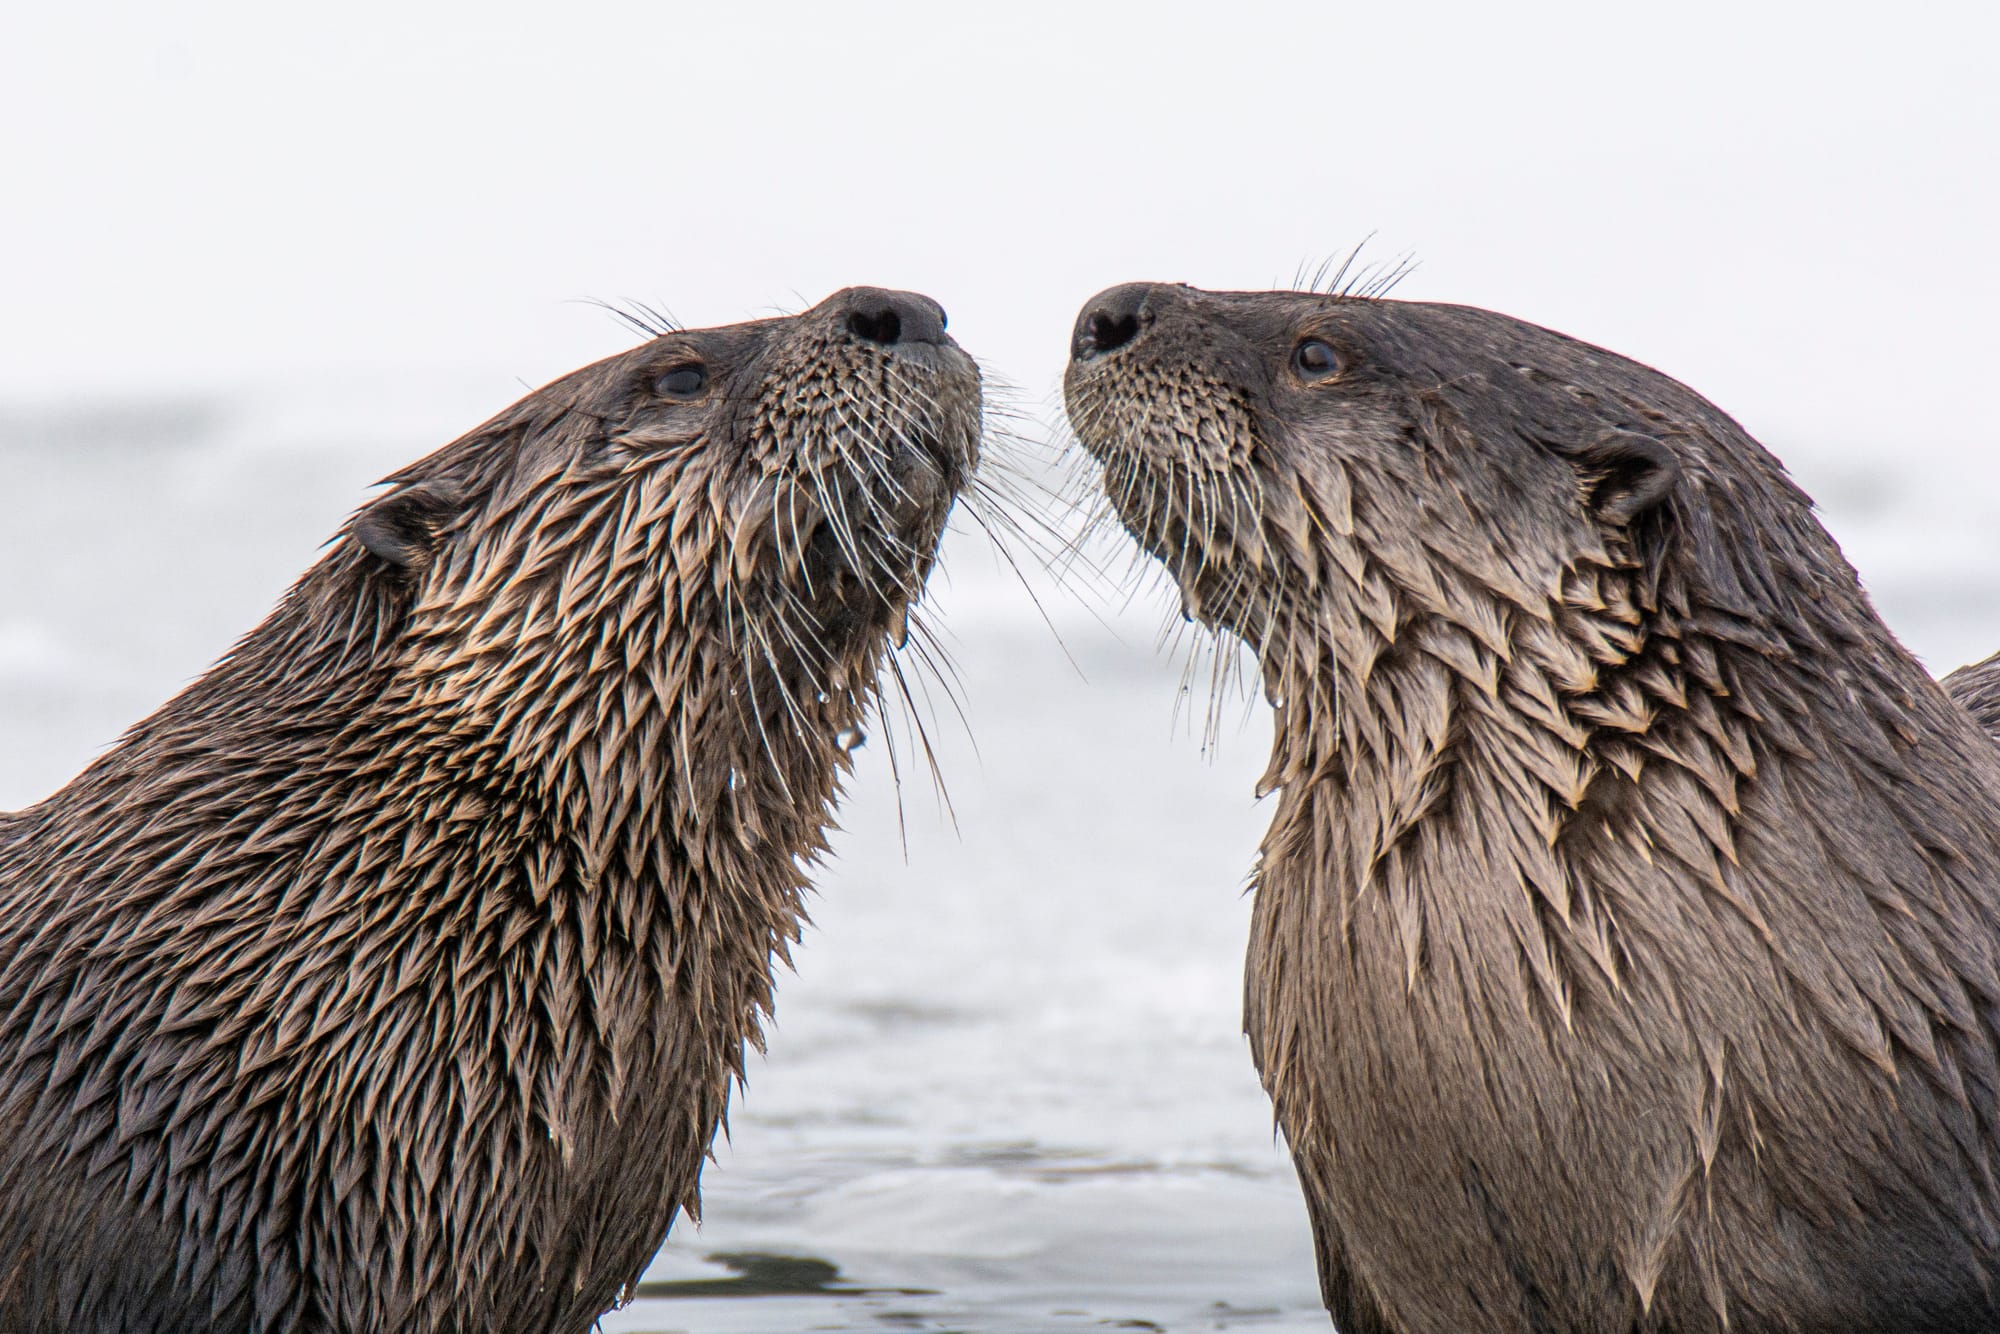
(1110, 320)
(876, 315)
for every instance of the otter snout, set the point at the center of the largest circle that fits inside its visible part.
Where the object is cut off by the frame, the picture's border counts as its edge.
(890, 319)
(1112, 319)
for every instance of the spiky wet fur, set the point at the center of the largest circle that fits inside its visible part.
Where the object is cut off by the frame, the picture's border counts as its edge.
(1624, 946)
(393, 975)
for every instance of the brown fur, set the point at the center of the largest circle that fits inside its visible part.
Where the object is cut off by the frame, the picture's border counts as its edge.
(392, 976)
(1626, 950)
(1976, 686)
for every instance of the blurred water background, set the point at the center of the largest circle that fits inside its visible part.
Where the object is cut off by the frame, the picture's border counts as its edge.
(1006, 1089)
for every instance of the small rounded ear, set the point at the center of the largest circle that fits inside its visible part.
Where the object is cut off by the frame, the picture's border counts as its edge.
(402, 528)
(1693, 552)
(1634, 474)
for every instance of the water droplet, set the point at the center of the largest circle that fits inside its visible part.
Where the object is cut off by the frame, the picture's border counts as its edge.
(852, 738)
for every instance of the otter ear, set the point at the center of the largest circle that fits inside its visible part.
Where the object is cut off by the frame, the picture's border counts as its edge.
(402, 528)
(1635, 474)
(1672, 521)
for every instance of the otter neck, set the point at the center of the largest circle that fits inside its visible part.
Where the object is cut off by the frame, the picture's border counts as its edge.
(691, 752)
(663, 792)
(1453, 750)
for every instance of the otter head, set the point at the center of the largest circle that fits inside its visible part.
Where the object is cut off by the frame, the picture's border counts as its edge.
(1346, 479)
(684, 563)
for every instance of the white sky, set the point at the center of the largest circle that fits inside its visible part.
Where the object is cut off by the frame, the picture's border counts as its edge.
(1793, 207)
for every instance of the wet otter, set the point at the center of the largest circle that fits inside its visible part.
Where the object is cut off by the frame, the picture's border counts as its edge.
(1626, 947)
(392, 976)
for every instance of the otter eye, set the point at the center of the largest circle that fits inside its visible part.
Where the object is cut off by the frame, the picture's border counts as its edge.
(681, 382)
(1315, 360)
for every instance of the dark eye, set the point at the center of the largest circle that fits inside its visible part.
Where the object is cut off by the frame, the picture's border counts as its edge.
(1315, 360)
(681, 382)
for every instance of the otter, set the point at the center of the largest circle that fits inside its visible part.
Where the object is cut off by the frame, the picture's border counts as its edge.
(1625, 953)
(393, 975)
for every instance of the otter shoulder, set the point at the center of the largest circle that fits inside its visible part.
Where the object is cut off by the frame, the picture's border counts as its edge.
(1974, 688)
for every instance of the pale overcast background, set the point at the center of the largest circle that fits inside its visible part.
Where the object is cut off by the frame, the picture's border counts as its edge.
(255, 256)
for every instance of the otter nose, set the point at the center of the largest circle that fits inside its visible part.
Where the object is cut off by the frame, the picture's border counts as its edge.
(876, 315)
(1110, 320)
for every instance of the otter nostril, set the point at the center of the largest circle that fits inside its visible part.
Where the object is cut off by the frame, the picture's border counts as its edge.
(1108, 333)
(882, 324)
(1111, 320)
(886, 318)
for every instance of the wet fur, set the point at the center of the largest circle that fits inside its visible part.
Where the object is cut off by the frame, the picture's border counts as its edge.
(1977, 689)
(1626, 948)
(393, 975)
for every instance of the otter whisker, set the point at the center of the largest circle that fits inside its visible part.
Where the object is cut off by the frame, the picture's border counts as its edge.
(1388, 279)
(871, 460)
(897, 411)
(923, 739)
(839, 524)
(936, 664)
(1001, 515)
(799, 558)
(880, 527)
(637, 315)
(796, 623)
(745, 639)
(1020, 576)
(880, 704)
(779, 677)
(1333, 286)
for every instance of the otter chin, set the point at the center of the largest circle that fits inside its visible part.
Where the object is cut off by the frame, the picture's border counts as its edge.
(393, 976)
(1626, 944)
